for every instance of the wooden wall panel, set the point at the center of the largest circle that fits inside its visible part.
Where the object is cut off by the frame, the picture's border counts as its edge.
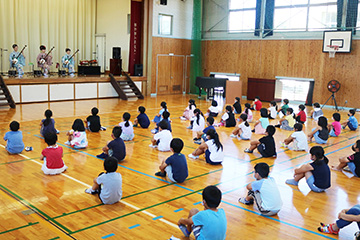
(291, 58)
(165, 46)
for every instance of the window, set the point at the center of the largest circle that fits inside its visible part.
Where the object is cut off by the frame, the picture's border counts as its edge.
(242, 15)
(165, 24)
(294, 89)
(305, 15)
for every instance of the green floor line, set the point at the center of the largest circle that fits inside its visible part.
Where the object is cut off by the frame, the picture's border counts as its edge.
(24, 226)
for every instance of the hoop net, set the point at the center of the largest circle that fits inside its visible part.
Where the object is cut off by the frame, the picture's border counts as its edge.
(333, 50)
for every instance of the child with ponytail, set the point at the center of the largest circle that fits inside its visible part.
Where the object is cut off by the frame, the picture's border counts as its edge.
(127, 128)
(48, 124)
(243, 130)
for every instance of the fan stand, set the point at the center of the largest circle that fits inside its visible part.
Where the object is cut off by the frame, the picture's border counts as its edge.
(334, 99)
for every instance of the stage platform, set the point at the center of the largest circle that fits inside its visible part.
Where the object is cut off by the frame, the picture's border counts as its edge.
(39, 89)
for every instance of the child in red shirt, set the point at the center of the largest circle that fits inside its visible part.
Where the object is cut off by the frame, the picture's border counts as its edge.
(52, 156)
(257, 104)
(301, 116)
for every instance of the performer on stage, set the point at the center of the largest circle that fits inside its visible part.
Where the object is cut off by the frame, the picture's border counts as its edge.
(44, 60)
(17, 62)
(68, 62)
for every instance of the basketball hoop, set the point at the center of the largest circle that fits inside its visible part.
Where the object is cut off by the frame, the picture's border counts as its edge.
(333, 50)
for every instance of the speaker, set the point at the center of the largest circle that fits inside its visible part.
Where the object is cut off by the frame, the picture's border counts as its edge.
(116, 53)
(138, 69)
(163, 2)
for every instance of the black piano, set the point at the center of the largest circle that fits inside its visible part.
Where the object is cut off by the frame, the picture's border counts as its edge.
(209, 83)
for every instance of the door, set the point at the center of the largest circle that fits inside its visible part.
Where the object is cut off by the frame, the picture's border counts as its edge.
(163, 75)
(177, 74)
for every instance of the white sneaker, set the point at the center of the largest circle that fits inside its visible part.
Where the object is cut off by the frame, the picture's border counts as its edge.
(153, 131)
(192, 156)
(89, 191)
(67, 143)
(153, 146)
(183, 118)
(233, 135)
(284, 145)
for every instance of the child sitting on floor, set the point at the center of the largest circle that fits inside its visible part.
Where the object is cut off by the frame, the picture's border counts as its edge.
(52, 156)
(321, 132)
(115, 148)
(14, 139)
(301, 116)
(352, 161)
(352, 122)
(263, 191)
(316, 112)
(198, 121)
(213, 110)
(284, 107)
(201, 135)
(237, 106)
(92, 122)
(248, 112)
(298, 138)
(210, 223)
(162, 139)
(166, 118)
(77, 135)
(317, 173)
(158, 117)
(175, 166)
(189, 111)
(261, 124)
(127, 128)
(212, 148)
(265, 145)
(257, 104)
(228, 118)
(108, 185)
(273, 110)
(335, 126)
(47, 124)
(243, 130)
(142, 119)
(287, 123)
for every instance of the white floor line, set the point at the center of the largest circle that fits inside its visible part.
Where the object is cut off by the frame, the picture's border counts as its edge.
(88, 186)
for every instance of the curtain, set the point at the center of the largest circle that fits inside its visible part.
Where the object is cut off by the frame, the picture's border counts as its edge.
(269, 18)
(65, 23)
(351, 14)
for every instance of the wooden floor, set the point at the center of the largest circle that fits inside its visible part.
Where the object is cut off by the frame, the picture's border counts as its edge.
(36, 206)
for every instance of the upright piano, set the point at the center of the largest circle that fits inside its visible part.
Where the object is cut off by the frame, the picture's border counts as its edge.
(209, 83)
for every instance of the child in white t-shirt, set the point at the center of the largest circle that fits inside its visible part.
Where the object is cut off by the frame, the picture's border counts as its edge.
(213, 110)
(162, 139)
(298, 138)
(77, 135)
(243, 130)
(272, 110)
(198, 121)
(127, 128)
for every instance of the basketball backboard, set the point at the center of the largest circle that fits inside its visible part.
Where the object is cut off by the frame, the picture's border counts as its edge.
(337, 38)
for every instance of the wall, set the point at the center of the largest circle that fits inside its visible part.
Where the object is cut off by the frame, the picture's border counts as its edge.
(290, 58)
(112, 19)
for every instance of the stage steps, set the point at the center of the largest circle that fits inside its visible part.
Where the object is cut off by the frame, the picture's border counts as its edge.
(5, 95)
(126, 88)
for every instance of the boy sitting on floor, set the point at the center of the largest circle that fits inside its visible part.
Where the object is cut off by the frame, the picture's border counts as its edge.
(162, 139)
(265, 145)
(115, 148)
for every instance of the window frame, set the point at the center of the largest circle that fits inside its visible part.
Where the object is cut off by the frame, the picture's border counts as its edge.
(171, 24)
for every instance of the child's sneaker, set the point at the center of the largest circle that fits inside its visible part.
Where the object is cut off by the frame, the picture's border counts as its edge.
(198, 142)
(292, 182)
(192, 156)
(347, 169)
(284, 145)
(67, 143)
(327, 229)
(248, 150)
(103, 128)
(244, 201)
(183, 118)
(184, 230)
(233, 136)
(153, 131)
(90, 191)
(28, 149)
(153, 146)
(102, 155)
(57, 131)
(189, 127)
(135, 125)
(160, 174)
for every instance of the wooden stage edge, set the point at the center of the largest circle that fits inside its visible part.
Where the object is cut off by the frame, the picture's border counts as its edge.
(60, 80)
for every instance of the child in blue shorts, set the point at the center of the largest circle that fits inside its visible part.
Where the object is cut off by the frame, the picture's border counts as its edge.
(210, 223)
(321, 132)
(352, 122)
(14, 139)
(352, 161)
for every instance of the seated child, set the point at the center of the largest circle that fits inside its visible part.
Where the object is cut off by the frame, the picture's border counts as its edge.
(52, 156)
(352, 122)
(263, 191)
(316, 112)
(317, 173)
(142, 119)
(108, 185)
(257, 104)
(189, 111)
(158, 117)
(237, 106)
(115, 148)
(127, 128)
(248, 112)
(166, 118)
(273, 110)
(14, 139)
(284, 107)
(162, 139)
(198, 121)
(265, 145)
(261, 124)
(335, 126)
(175, 166)
(92, 122)
(77, 135)
(287, 123)
(352, 161)
(213, 110)
(47, 124)
(298, 138)
(210, 223)
(212, 148)
(201, 135)
(346, 217)
(321, 132)
(243, 131)
(228, 118)
(301, 116)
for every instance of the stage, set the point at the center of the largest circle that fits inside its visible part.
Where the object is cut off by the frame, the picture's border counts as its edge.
(39, 89)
